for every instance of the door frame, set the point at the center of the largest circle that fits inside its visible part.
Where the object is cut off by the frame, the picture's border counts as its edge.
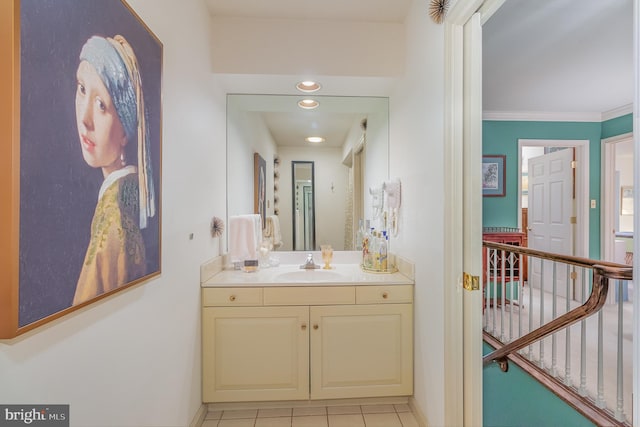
(608, 198)
(463, 209)
(455, 321)
(581, 236)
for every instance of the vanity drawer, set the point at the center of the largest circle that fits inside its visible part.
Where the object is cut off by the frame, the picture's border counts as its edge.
(384, 294)
(309, 295)
(231, 296)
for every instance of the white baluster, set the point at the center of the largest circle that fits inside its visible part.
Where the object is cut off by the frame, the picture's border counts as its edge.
(583, 342)
(619, 414)
(554, 313)
(541, 354)
(567, 337)
(531, 313)
(503, 286)
(600, 385)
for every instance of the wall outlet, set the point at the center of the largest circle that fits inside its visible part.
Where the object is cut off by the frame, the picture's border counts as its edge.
(593, 203)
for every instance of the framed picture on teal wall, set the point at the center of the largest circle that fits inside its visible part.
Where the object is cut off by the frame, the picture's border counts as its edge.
(493, 175)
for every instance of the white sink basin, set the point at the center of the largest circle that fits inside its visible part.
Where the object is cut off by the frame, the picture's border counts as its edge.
(306, 276)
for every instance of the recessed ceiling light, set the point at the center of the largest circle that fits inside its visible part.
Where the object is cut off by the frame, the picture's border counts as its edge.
(314, 139)
(308, 104)
(308, 86)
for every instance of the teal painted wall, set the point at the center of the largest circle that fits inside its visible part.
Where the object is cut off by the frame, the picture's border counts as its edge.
(514, 398)
(501, 137)
(618, 126)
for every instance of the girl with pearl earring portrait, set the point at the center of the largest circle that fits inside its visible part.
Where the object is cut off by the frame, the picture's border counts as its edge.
(113, 136)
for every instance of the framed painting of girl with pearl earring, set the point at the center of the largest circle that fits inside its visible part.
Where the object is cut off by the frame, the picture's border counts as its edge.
(80, 157)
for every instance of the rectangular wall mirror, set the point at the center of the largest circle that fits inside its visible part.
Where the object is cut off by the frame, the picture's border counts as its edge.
(353, 157)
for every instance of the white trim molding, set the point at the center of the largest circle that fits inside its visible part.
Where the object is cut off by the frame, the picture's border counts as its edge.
(617, 112)
(550, 116)
(199, 417)
(541, 116)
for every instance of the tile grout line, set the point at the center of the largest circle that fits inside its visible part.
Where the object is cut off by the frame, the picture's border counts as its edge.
(326, 415)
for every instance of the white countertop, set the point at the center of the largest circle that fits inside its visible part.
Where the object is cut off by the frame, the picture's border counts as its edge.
(347, 274)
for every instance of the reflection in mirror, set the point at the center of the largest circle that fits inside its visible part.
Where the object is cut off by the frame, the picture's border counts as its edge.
(304, 225)
(352, 159)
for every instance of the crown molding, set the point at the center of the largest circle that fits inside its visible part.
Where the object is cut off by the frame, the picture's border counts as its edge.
(617, 112)
(541, 116)
(549, 116)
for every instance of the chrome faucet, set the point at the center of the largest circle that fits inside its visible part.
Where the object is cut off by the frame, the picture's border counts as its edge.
(309, 263)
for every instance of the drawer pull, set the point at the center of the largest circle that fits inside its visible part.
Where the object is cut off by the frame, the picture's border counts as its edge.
(385, 295)
(304, 326)
(232, 298)
(315, 326)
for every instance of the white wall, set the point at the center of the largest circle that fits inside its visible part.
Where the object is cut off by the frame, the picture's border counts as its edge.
(320, 46)
(247, 136)
(417, 158)
(134, 359)
(376, 163)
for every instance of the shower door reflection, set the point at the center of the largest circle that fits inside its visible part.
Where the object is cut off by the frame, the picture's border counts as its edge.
(304, 227)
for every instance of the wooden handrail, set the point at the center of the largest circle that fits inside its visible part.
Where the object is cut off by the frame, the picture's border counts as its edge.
(602, 272)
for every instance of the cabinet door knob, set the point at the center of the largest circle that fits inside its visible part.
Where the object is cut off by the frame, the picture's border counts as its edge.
(303, 326)
(315, 326)
(232, 298)
(385, 295)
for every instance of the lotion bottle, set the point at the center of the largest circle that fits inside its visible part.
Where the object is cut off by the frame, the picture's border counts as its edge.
(382, 251)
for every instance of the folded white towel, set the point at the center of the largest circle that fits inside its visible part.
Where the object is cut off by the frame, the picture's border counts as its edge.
(244, 237)
(272, 231)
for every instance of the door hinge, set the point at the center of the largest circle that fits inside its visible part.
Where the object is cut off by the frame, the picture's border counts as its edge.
(573, 220)
(470, 283)
(573, 164)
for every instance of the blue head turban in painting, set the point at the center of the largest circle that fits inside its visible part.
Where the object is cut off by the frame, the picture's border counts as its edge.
(117, 65)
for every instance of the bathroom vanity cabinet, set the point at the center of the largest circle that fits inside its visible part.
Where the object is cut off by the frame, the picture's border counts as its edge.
(265, 343)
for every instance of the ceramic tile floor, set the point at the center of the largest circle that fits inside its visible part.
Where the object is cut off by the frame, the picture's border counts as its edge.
(323, 416)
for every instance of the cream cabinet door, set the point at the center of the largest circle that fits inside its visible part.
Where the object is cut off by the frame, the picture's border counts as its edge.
(361, 351)
(255, 353)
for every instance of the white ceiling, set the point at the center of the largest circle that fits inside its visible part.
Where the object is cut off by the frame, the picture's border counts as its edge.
(559, 56)
(290, 125)
(571, 56)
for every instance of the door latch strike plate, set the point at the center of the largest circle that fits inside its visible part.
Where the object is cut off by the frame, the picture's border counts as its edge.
(470, 283)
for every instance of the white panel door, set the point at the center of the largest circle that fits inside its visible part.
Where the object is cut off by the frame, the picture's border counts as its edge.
(550, 212)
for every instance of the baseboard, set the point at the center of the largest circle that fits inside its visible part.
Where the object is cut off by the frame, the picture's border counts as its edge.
(199, 417)
(221, 406)
(417, 413)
